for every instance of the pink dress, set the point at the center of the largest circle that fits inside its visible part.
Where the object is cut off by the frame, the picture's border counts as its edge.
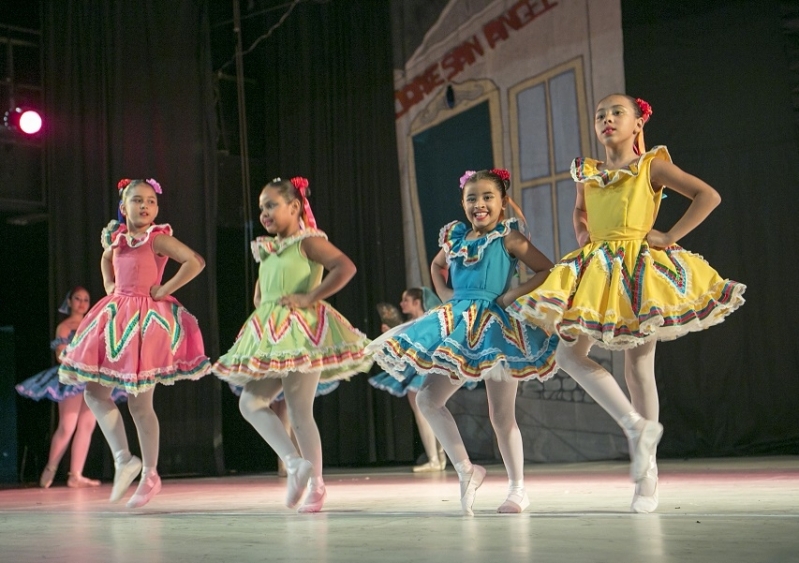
(128, 340)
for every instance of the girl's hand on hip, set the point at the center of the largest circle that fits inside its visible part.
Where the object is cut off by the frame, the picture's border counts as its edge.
(296, 300)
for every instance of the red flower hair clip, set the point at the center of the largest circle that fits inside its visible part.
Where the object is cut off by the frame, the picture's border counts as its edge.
(646, 109)
(503, 174)
(300, 183)
(123, 183)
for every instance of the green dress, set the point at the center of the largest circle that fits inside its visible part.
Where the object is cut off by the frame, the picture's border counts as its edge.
(277, 340)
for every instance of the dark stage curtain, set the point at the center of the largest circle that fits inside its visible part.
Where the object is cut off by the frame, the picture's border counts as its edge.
(129, 94)
(329, 116)
(719, 81)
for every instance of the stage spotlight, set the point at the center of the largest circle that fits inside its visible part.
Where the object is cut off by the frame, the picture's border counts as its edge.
(25, 120)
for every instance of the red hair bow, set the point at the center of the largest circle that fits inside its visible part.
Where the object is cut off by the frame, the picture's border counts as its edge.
(123, 183)
(503, 174)
(646, 109)
(300, 183)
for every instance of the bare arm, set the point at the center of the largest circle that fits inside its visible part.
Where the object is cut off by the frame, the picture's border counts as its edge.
(580, 217)
(437, 269)
(704, 200)
(191, 264)
(518, 245)
(62, 332)
(340, 271)
(107, 269)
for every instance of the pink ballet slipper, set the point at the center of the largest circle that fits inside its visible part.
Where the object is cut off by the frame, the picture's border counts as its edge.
(124, 474)
(644, 504)
(47, 476)
(469, 488)
(149, 486)
(314, 501)
(516, 502)
(78, 481)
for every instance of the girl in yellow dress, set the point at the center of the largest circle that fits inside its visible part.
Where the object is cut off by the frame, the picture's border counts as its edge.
(629, 285)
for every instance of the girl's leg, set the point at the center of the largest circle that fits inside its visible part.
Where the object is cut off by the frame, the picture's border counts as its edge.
(428, 439)
(639, 372)
(149, 432)
(282, 413)
(643, 434)
(432, 399)
(68, 411)
(300, 391)
(254, 403)
(502, 411)
(80, 448)
(126, 466)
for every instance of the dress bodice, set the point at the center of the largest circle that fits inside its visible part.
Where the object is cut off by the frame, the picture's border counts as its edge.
(620, 204)
(284, 269)
(480, 268)
(137, 267)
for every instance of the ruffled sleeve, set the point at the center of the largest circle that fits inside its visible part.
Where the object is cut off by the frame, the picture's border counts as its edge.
(585, 170)
(263, 246)
(456, 246)
(61, 341)
(116, 232)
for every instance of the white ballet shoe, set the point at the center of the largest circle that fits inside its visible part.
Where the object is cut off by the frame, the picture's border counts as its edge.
(644, 446)
(428, 467)
(644, 504)
(314, 501)
(124, 474)
(149, 486)
(469, 488)
(47, 476)
(298, 472)
(516, 502)
(80, 482)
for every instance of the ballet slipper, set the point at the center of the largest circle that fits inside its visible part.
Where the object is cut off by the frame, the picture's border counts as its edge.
(644, 446)
(47, 476)
(428, 467)
(124, 474)
(516, 502)
(298, 472)
(314, 501)
(469, 488)
(644, 504)
(149, 486)
(78, 481)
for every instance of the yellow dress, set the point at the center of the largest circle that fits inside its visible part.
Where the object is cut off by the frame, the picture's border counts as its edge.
(616, 289)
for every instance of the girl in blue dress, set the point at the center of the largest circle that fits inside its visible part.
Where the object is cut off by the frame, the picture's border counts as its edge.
(75, 421)
(471, 337)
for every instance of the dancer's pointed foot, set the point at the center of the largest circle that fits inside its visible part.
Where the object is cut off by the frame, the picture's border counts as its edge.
(124, 474)
(47, 476)
(78, 481)
(470, 482)
(645, 445)
(314, 500)
(516, 502)
(149, 486)
(645, 499)
(298, 472)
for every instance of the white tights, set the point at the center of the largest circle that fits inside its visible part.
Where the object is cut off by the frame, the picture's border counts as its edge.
(432, 399)
(425, 430)
(110, 420)
(75, 422)
(639, 373)
(299, 390)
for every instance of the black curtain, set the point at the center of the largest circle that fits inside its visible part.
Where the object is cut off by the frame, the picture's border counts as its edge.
(718, 78)
(328, 115)
(129, 94)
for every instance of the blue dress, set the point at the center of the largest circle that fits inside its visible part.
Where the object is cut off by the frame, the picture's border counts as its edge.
(45, 384)
(470, 337)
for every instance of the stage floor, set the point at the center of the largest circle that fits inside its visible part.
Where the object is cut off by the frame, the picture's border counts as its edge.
(719, 510)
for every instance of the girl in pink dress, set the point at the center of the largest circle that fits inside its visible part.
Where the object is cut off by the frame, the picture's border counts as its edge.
(136, 336)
